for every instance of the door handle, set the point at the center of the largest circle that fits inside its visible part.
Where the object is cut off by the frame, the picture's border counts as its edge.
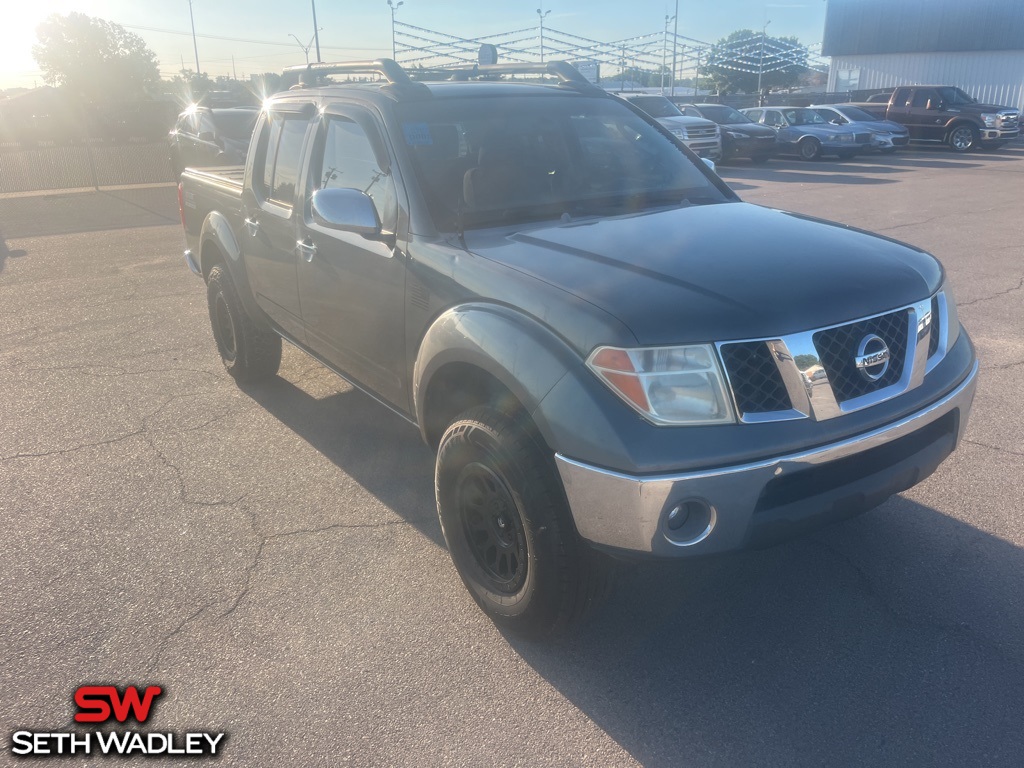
(252, 225)
(307, 248)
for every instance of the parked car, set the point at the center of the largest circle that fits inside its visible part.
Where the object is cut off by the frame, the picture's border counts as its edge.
(741, 136)
(702, 136)
(204, 137)
(611, 353)
(886, 136)
(944, 114)
(802, 131)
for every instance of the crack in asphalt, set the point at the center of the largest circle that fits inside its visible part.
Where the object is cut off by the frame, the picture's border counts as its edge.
(1002, 366)
(1015, 288)
(94, 369)
(59, 451)
(166, 639)
(996, 448)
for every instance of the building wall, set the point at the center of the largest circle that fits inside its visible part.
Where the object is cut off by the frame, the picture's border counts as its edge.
(993, 77)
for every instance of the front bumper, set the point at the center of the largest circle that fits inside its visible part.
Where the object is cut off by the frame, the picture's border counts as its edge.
(889, 141)
(997, 134)
(749, 147)
(766, 501)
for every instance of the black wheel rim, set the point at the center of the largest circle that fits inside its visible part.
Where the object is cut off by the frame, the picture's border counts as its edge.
(492, 527)
(225, 328)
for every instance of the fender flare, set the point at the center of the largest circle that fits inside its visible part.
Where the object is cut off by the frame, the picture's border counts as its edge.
(519, 352)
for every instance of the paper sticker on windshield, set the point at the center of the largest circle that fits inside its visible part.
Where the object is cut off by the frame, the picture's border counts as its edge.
(417, 134)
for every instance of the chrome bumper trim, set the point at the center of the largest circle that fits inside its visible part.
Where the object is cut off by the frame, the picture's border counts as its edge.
(627, 512)
(190, 259)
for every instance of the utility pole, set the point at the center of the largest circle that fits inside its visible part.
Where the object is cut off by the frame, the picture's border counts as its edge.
(195, 45)
(305, 48)
(760, 65)
(675, 44)
(316, 32)
(234, 74)
(394, 7)
(542, 15)
(664, 53)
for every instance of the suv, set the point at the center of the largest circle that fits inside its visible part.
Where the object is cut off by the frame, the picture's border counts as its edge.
(700, 135)
(613, 356)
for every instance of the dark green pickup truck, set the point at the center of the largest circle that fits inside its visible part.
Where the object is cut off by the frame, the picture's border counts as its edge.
(613, 355)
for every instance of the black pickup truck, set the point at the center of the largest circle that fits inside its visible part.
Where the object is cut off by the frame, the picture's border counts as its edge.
(613, 355)
(943, 114)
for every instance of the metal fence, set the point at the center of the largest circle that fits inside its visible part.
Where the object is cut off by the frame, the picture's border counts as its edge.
(67, 166)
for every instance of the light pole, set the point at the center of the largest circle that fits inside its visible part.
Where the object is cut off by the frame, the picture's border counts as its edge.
(394, 7)
(316, 32)
(675, 43)
(664, 54)
(195, 45)
(760, 64)
(305, 48)
(542, 15)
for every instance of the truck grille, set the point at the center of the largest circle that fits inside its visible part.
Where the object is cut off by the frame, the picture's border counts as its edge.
(756, 382)
(838, 348)
(1009, 121)
(862, 138)
(700, 133)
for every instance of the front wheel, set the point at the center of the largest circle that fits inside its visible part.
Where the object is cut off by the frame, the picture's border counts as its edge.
(508, 527)
(963, 138)
(248, 352)
(809, 148)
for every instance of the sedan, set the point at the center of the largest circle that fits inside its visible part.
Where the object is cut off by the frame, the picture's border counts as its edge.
(741, 136)
(802, 131)
(886, 136)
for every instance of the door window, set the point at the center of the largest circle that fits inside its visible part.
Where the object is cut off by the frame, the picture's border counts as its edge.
(349, 162)
(281, 155)
(922, 96)
(773, 118)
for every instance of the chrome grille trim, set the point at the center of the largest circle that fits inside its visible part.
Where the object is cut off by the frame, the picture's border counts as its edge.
(811, 394)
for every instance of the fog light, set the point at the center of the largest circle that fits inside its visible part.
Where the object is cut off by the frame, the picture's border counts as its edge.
(689, 522)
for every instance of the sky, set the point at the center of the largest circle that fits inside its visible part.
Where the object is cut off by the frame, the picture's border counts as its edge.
(261, 29)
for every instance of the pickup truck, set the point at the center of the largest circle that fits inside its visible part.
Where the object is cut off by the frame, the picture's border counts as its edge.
(944, 114)
(613, 356)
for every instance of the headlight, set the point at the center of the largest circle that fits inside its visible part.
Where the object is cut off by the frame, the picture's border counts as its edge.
(990, 120)
(679, 133)
(667, 385)
(735, 135)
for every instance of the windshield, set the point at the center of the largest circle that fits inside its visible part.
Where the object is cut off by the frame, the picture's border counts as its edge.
(724, 115)
(501, 160)
(853, 113)
(656, 106)
(803, 117)
(952, 95)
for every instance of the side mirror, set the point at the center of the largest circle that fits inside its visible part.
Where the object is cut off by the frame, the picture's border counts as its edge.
(836, 121)
(709, 163)
(206, 136)
(347, 210)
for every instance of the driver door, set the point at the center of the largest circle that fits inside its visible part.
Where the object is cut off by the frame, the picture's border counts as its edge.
(351, 288)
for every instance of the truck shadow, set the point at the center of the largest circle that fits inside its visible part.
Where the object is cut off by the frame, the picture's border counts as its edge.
(895, 638)
(372, 445)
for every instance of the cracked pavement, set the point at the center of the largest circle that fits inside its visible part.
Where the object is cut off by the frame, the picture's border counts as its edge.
(271, 556)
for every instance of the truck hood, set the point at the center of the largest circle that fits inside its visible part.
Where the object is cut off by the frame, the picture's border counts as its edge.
(685, 121)
(717, 272)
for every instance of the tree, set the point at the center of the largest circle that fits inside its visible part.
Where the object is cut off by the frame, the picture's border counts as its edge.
(736, 60)
(94, 59)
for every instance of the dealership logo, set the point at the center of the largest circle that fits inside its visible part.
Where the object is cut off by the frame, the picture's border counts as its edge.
(103, 703)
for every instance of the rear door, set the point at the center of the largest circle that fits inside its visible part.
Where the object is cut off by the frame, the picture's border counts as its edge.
(270, 228)
(924, 123)
(352, 289)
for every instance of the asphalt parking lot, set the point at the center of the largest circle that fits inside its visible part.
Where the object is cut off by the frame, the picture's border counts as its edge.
(271, 556)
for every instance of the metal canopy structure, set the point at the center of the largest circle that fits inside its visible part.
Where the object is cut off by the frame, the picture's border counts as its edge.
(432, 49)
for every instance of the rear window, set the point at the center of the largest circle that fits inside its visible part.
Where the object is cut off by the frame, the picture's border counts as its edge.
(235, 125)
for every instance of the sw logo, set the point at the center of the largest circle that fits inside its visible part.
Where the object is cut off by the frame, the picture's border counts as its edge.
(103, 703)
(96, 703)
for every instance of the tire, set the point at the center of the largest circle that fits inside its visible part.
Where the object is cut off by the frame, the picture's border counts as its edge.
(809, 148)
(248, 352)
(963, 138)
(508, 527)
(846, 155)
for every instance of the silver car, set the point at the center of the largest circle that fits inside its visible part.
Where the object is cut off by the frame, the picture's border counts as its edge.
(886, 136)
(703, 137)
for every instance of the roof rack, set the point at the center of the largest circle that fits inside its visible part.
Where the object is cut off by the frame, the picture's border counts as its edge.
(389, 69)
(563, 70)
